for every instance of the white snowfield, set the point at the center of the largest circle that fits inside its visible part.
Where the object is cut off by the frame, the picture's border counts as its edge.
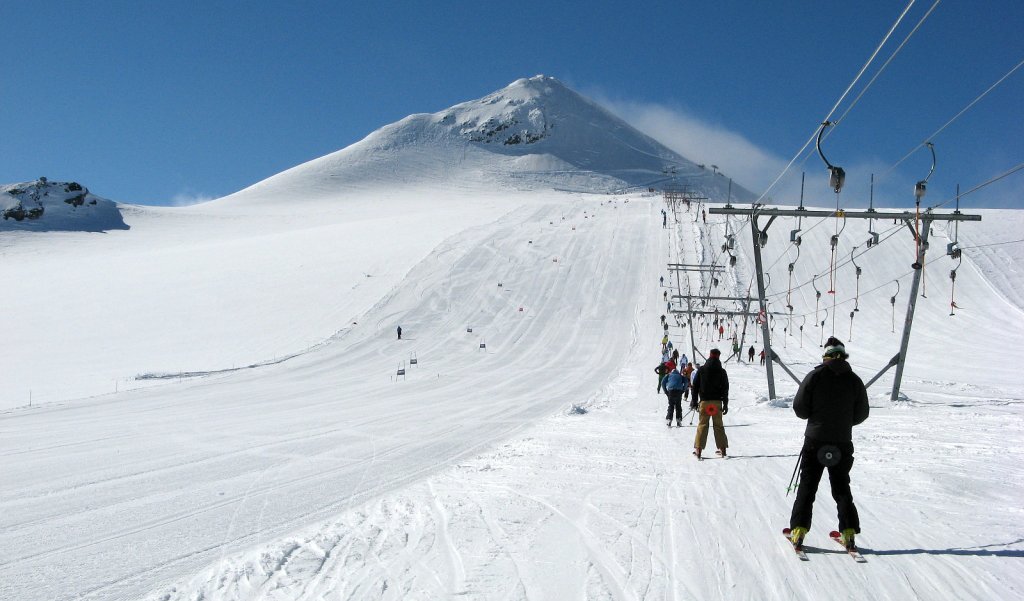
(321, 476)
(207, 405)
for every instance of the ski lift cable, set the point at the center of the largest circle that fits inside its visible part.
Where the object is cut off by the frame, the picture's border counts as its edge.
(989, 182)
(834, 244)
(886, 64)
(889, 233)
(820, 221)
(876, 288)
(858, 271)
(993, 244)
(919, 191)
(952, 285)
(835, 304)
(839, 101)
(955, 117)
(892, 231)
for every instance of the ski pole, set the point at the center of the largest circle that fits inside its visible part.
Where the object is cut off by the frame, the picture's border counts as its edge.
(794, 480)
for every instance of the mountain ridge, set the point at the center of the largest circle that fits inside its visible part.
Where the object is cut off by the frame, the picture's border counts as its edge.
(534, 133)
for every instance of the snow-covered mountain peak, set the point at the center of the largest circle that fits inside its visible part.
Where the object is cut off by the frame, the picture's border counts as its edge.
(535, 133)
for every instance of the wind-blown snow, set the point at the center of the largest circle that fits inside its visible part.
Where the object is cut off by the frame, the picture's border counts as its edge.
(296, 464)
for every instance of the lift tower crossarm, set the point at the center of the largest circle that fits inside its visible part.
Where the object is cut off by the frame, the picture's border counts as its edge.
(853, 214)
(721, 298)
(920, 235)
(713, 312)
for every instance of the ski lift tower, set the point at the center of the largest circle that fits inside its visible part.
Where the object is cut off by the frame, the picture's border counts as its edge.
(919, 231)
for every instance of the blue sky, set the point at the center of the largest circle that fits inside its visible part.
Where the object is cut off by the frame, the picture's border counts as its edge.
(173, 102)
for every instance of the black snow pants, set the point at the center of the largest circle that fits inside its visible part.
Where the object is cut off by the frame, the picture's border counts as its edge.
(839, 479)
(675, 403)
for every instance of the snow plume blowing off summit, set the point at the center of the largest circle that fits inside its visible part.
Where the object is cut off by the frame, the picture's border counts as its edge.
(534, 134)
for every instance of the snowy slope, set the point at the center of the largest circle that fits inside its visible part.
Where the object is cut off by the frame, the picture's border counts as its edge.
(474, 478)
(418, 180)
(272, 451)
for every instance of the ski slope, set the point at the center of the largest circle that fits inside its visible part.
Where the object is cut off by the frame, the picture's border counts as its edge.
(538, 467)
(205, 402)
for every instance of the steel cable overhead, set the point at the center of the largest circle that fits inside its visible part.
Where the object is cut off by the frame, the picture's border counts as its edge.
(885, 64)
(993, 244)
(955, 117)
(838, 102)
(889, 233)
(1006, 173)
(877, 74)
(873, 290)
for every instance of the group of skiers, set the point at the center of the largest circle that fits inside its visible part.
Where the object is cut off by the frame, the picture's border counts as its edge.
(708, 390)
(832, 398)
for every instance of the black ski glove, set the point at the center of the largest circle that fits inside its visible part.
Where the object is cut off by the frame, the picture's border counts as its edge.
(725, 408)
(693, 405)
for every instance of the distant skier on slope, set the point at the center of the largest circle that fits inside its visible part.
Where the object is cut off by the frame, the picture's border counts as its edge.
(399, 332)
(833, 400)
(750, 354)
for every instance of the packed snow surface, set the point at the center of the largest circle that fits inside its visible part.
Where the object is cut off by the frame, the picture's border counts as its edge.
(212, 402)
(526, 459)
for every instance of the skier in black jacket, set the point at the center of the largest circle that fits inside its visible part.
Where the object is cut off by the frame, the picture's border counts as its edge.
(833, 400)
(711, 400)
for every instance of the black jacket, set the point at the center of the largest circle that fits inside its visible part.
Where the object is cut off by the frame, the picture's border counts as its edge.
(833, 400)
(711, 383)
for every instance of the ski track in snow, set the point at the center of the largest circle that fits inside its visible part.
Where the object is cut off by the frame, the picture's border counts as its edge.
(325, 477)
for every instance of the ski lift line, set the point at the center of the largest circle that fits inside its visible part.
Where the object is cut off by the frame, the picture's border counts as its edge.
(808, 230)
(839, 101)
(992, 244)
(952, 287)
(885, 64)
(1007, 173)
(955, 117)
(825, 215)
(875, 289)
(811, 281)
(891, 232)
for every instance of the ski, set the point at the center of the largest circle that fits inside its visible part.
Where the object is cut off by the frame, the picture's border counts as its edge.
(799, 551)
(854, 553)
